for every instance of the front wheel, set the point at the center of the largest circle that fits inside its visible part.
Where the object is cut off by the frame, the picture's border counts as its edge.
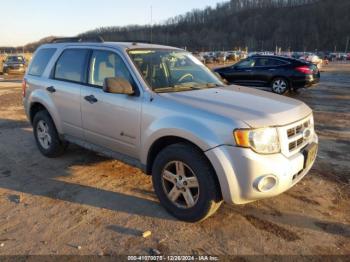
(279, 86)
(185, 183)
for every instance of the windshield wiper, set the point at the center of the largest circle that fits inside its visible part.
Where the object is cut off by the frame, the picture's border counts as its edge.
(176, 88)
(212, 85)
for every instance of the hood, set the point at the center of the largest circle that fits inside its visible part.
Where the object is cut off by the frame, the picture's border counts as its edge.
(254, 107)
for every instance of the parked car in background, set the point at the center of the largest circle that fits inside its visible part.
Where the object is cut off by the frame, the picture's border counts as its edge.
(14, 64)
(208, 59)
(343, 56)
(314, 59)
(233, 56)
(279, 73)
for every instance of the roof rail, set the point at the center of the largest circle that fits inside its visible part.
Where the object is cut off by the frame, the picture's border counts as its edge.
(94, 39)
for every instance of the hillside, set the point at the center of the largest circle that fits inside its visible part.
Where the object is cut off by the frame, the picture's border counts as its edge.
(303, 25)
(259, 24)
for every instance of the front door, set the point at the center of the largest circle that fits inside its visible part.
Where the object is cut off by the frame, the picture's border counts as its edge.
(110, 120)
(241, 73)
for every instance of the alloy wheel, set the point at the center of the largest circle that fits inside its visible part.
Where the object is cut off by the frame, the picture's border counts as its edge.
(43, 134)
(180, 184)
(279, 86)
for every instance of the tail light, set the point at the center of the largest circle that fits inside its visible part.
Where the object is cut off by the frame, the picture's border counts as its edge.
(24, 87)
(304, 70)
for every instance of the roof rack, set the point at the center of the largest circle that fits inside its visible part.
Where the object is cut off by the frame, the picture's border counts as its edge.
(95, 39)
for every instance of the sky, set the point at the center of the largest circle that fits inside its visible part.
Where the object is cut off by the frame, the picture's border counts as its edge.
(25, 21)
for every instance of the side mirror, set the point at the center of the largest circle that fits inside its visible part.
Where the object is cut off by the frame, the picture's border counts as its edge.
(118, 85)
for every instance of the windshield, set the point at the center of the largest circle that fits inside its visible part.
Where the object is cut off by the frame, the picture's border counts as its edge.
(173, 71)
(14, 59)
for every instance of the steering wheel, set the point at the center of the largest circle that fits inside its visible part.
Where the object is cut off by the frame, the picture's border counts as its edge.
(188, 75)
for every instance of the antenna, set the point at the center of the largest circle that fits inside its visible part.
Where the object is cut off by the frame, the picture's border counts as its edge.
(151, 24)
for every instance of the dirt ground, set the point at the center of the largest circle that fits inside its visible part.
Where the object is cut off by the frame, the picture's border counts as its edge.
(84, 203)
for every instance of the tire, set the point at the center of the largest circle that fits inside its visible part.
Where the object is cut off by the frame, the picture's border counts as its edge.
(206, 196)
(45, 130)
(279, 85)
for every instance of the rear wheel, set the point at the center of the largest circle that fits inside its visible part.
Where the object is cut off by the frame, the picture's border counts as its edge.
(279, 86)
(185, 183)
(46, 136)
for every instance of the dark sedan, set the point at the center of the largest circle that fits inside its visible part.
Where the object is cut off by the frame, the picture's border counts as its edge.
(279, 73)
(14, 64)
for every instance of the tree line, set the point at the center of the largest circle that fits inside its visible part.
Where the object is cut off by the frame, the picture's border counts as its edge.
(299, 25)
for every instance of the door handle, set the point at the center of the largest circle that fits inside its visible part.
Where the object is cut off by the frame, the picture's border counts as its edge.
(248, 70)
(51, 89)
(272, 69)
(91, 99)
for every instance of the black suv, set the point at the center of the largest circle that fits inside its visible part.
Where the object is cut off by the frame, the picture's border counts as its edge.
(14, 64)
(279, 73)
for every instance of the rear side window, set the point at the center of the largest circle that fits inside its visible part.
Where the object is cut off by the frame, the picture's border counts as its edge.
(40, 61)
(71, 66)
(269, 62)
(277, 62)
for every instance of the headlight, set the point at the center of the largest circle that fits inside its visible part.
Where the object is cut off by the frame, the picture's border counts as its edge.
(4, 65)
(263, 141)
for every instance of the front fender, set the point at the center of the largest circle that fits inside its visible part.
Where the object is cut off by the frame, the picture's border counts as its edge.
(43, 98)
(178, 126)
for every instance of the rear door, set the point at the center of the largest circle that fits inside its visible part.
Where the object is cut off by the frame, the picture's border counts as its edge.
(266, 69)
(68, 77)
(110, 120)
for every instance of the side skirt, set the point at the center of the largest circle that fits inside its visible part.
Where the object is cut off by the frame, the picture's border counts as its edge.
(107, 152)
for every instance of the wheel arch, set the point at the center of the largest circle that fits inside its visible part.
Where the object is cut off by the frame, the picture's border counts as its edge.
(161, 143)
(166, 141)
(34, 109)
(37, 106)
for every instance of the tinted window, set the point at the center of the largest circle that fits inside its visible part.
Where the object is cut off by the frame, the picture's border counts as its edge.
(269, 62)
(250, 62)
(40, 61)
(71, 65)
(105, 64)
(262, 62)
(277, 62)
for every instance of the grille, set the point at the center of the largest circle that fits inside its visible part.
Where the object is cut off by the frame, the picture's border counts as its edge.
(296, 135)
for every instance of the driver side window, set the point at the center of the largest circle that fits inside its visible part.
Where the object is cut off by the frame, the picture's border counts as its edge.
(105, 64)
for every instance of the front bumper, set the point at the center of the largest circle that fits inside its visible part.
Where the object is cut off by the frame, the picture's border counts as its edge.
(14, 70)
(239, 170)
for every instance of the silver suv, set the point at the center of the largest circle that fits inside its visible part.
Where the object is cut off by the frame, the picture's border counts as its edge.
(159, 108)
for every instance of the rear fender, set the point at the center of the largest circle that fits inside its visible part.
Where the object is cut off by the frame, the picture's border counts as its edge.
(43, 98)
